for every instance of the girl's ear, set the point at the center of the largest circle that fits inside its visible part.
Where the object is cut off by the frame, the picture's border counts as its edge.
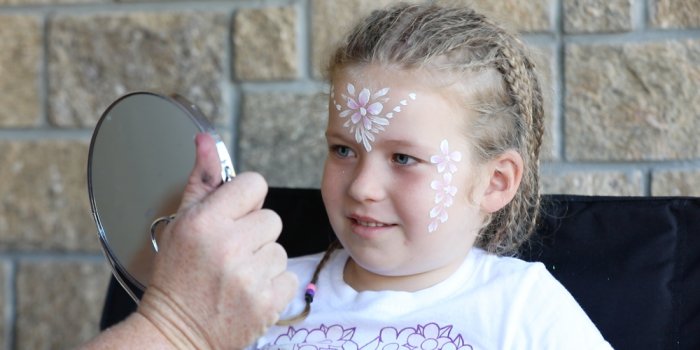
(504, 175)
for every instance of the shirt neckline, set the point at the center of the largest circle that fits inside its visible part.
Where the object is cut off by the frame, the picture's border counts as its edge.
(340, 289)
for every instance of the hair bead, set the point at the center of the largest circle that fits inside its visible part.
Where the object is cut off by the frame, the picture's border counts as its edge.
(310, 292)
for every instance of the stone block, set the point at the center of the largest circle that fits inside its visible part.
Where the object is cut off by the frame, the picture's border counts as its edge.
(520, 16)
(676, 183)
(674, 14)
(59, 303)
(44, 203)
(589, 16)
(593, 183)
(331, 20)
(95, 58)
(633, 102)
(281, 135)
(265, 44)
(20, 66)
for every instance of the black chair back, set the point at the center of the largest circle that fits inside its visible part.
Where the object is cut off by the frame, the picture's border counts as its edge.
(633, 263)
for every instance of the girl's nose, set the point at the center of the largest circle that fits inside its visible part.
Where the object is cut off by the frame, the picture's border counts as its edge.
(367, 184)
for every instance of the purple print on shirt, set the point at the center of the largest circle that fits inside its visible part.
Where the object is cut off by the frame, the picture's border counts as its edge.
(334, 337)
(423, 337)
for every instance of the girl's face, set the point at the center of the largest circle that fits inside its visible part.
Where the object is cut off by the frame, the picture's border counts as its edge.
(399, 182)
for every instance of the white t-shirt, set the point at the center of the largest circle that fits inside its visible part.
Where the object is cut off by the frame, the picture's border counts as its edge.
(490, 302)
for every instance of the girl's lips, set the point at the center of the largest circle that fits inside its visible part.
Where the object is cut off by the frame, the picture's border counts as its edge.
(367, 221)
(367, 227)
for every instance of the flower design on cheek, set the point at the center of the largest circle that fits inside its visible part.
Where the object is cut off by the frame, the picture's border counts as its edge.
(365, 112)
(444, 190)
(447, 159)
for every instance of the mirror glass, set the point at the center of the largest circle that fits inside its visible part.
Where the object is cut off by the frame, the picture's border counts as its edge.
(141, 154)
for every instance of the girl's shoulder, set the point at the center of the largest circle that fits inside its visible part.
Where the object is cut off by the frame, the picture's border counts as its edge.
(494, 265)
(489, 270)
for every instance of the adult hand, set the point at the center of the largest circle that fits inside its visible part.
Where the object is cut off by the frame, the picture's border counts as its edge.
(219, 278)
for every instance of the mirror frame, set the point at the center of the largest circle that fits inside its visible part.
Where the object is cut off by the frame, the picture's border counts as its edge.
(121, 274)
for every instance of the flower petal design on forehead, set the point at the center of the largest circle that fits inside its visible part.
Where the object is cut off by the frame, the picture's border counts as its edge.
(445, 192)
(365, 111)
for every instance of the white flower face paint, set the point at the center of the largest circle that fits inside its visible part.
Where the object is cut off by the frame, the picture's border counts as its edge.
(444, 190)
(365, 112)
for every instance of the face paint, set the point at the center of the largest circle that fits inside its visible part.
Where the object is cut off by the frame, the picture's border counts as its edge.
(365, 112)
(444, 190)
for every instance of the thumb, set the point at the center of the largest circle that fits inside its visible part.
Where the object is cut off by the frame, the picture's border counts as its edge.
(206, 174)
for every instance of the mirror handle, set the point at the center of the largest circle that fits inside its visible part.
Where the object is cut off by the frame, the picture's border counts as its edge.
(163, 219)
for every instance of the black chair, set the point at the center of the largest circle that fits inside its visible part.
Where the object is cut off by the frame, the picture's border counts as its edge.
(633, 263)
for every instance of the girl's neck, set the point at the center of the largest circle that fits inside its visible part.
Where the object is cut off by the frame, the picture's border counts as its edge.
(362, 280)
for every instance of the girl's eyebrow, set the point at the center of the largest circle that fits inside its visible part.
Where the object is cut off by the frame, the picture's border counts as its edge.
(406, 143)
(337, 135)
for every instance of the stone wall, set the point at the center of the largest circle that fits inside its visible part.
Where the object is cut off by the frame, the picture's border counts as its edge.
(624, 113)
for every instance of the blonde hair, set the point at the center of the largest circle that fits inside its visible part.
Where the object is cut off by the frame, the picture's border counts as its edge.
(507, 100)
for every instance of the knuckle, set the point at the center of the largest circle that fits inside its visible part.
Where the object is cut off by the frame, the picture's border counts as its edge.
(280, 257)
(280, 251)
(196, 219)
(245, 281)
(272, 219)
(253, 181)
(291, 283)
(275, 255)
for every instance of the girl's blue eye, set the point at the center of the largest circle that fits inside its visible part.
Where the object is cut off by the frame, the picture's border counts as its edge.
(341, 151)
(403, 159)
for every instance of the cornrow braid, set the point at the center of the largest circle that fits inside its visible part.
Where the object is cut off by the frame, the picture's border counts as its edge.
(314, 279)
(524, 90)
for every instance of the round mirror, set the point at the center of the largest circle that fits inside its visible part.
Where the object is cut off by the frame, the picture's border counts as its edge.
(141, 154)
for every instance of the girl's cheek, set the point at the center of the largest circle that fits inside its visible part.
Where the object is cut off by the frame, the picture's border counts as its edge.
(415, 192)
(336, 174)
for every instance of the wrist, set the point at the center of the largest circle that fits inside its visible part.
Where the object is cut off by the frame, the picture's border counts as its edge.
(135, 332)
(162, 315)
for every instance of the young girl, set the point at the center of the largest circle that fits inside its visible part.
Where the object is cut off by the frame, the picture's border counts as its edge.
(434, 131)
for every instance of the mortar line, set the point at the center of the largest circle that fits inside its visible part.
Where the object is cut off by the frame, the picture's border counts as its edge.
(44, 133)
(559, 80)
(11, 311)
(304, 30)
(44, 72)
(639, 15)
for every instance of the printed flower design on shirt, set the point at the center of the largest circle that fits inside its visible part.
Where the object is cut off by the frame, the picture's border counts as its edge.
(324, 337)
(433, 337)
(445, 192)
(365, 111)
(391, 339)
(429, 336)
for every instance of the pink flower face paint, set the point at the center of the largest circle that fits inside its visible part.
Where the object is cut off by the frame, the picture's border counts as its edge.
(366, 111)
(445, 162)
